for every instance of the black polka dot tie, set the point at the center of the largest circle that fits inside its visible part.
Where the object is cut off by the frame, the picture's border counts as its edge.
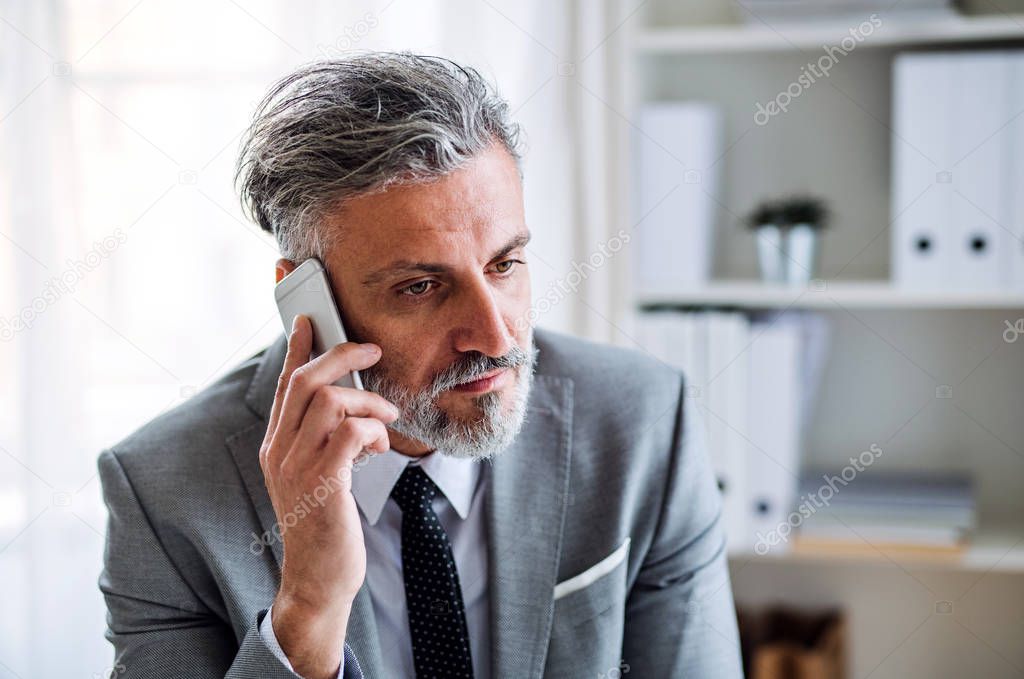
(437, 617)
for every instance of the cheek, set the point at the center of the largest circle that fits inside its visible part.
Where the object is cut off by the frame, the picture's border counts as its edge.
(520, 312)
(406, 358)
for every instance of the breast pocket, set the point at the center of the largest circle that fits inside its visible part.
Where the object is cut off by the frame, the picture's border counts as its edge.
(592, 592)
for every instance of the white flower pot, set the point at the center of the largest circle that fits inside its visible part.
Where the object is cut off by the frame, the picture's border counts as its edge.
(801, 253)
(770, 253)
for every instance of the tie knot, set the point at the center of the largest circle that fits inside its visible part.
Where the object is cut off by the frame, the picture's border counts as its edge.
(414, 490)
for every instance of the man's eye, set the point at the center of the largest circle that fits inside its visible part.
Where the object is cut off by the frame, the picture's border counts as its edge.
(416, 289)
(506, 266)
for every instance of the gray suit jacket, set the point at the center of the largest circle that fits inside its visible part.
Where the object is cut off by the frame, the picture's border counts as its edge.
(606, 493)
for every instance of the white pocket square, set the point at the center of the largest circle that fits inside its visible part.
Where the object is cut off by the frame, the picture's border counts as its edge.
(602, 567)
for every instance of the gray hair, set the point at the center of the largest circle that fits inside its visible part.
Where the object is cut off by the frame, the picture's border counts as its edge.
(339, 128)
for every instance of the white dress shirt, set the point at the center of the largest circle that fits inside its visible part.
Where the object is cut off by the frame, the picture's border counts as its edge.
(460, 509)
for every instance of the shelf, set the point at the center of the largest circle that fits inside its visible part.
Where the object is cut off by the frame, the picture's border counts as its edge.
(996, 549)
(812, 36)
(834, 296)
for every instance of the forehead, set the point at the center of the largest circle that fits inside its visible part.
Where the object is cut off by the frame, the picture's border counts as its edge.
(479, 203)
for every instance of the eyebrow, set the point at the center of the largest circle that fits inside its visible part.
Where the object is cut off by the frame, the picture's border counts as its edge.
(405, 266)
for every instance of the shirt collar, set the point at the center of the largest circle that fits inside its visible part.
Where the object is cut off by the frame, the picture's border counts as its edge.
(373, 480)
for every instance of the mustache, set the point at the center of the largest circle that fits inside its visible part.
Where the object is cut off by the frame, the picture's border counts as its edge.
(472, 366)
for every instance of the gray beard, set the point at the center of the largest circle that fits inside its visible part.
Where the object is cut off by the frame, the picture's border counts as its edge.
(486, 436)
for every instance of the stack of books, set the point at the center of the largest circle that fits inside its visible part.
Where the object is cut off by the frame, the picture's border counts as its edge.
(879, 509)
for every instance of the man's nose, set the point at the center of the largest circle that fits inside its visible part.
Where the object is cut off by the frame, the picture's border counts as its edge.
(481, 326)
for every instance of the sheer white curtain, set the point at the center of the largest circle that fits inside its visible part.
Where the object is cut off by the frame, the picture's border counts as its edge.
(129, 279)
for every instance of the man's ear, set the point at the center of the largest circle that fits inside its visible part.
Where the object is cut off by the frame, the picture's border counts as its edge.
(282, 268)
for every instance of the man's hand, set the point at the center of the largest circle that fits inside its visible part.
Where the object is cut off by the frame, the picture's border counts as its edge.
(315, 433)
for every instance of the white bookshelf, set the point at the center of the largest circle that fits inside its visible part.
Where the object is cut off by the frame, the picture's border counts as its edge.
(721, 39)
(889, 347)
(828, 295)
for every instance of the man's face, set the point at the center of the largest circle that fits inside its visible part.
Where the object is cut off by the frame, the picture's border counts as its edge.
(435, 274)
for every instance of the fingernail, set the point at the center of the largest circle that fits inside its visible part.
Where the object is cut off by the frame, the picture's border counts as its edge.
(371, 349)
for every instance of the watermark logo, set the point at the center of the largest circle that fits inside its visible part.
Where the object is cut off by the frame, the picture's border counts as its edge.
(350, 37)
(570, 283)
(815, 71)
(111, 672)
(615, 672)
(61, 285)
(310, 501)
(812, 502)
(1013, 330)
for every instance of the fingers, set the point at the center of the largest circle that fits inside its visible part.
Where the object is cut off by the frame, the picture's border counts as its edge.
(323, 370)
(300, 345)
(330, 406)
(352, 437)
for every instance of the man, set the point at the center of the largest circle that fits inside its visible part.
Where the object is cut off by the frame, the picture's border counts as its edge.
(499, 502)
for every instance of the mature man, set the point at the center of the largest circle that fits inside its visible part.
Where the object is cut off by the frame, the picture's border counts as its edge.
(499, 502)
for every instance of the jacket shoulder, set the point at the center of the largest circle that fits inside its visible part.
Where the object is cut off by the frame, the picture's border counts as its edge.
(200, 425)
(610, 381)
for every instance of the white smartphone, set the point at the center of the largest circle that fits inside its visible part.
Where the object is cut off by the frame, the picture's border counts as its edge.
(307, 291)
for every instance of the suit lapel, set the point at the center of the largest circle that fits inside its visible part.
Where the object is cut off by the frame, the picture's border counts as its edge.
(245, 448)
(245, 444)
(525, 513)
